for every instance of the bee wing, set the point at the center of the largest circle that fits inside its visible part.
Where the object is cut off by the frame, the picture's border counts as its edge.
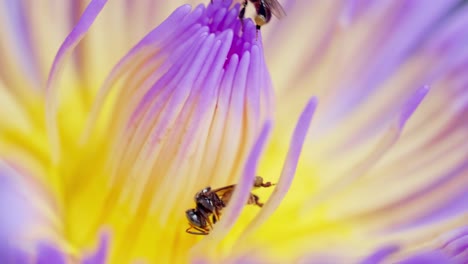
(276, 8)
(224, 190)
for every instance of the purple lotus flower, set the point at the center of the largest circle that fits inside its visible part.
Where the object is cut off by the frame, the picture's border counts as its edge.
(111, 125)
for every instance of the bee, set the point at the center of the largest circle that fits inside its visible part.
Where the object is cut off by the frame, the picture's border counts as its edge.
(265, 9)
(210, 203)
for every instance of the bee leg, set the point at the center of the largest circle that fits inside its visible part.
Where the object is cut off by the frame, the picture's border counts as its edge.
(208, 221)
(200, 231)
(242, 10)
(242, 13)
(216, 216)
(255, 200)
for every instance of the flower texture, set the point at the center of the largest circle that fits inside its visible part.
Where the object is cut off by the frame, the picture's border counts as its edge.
(110, 125)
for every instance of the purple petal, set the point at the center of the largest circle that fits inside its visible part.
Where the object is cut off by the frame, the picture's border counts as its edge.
(454, 204)
(411, 105)
(456, 242)
(12, 254)
(23, 44)
(352, 9)
(49, 254)
(23, 209)
(386, 141)
(412, 218)
(365, 67)
(156, 36)
(381, 254)
(101, 253)
(453, 245)
(65, 50)
(430, 257)
(242, 192)
(289, 168)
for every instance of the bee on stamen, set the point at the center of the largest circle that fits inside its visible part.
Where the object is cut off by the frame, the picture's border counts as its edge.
(265, 9)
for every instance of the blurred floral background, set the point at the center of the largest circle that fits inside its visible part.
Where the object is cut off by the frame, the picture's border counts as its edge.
(115, 113)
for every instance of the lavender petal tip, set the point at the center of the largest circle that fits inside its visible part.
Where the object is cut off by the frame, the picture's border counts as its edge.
(411, 105)
(49, 254)
(100, 255)
(381, 254)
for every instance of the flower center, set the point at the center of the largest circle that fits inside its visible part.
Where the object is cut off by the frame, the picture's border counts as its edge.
(187, 102)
